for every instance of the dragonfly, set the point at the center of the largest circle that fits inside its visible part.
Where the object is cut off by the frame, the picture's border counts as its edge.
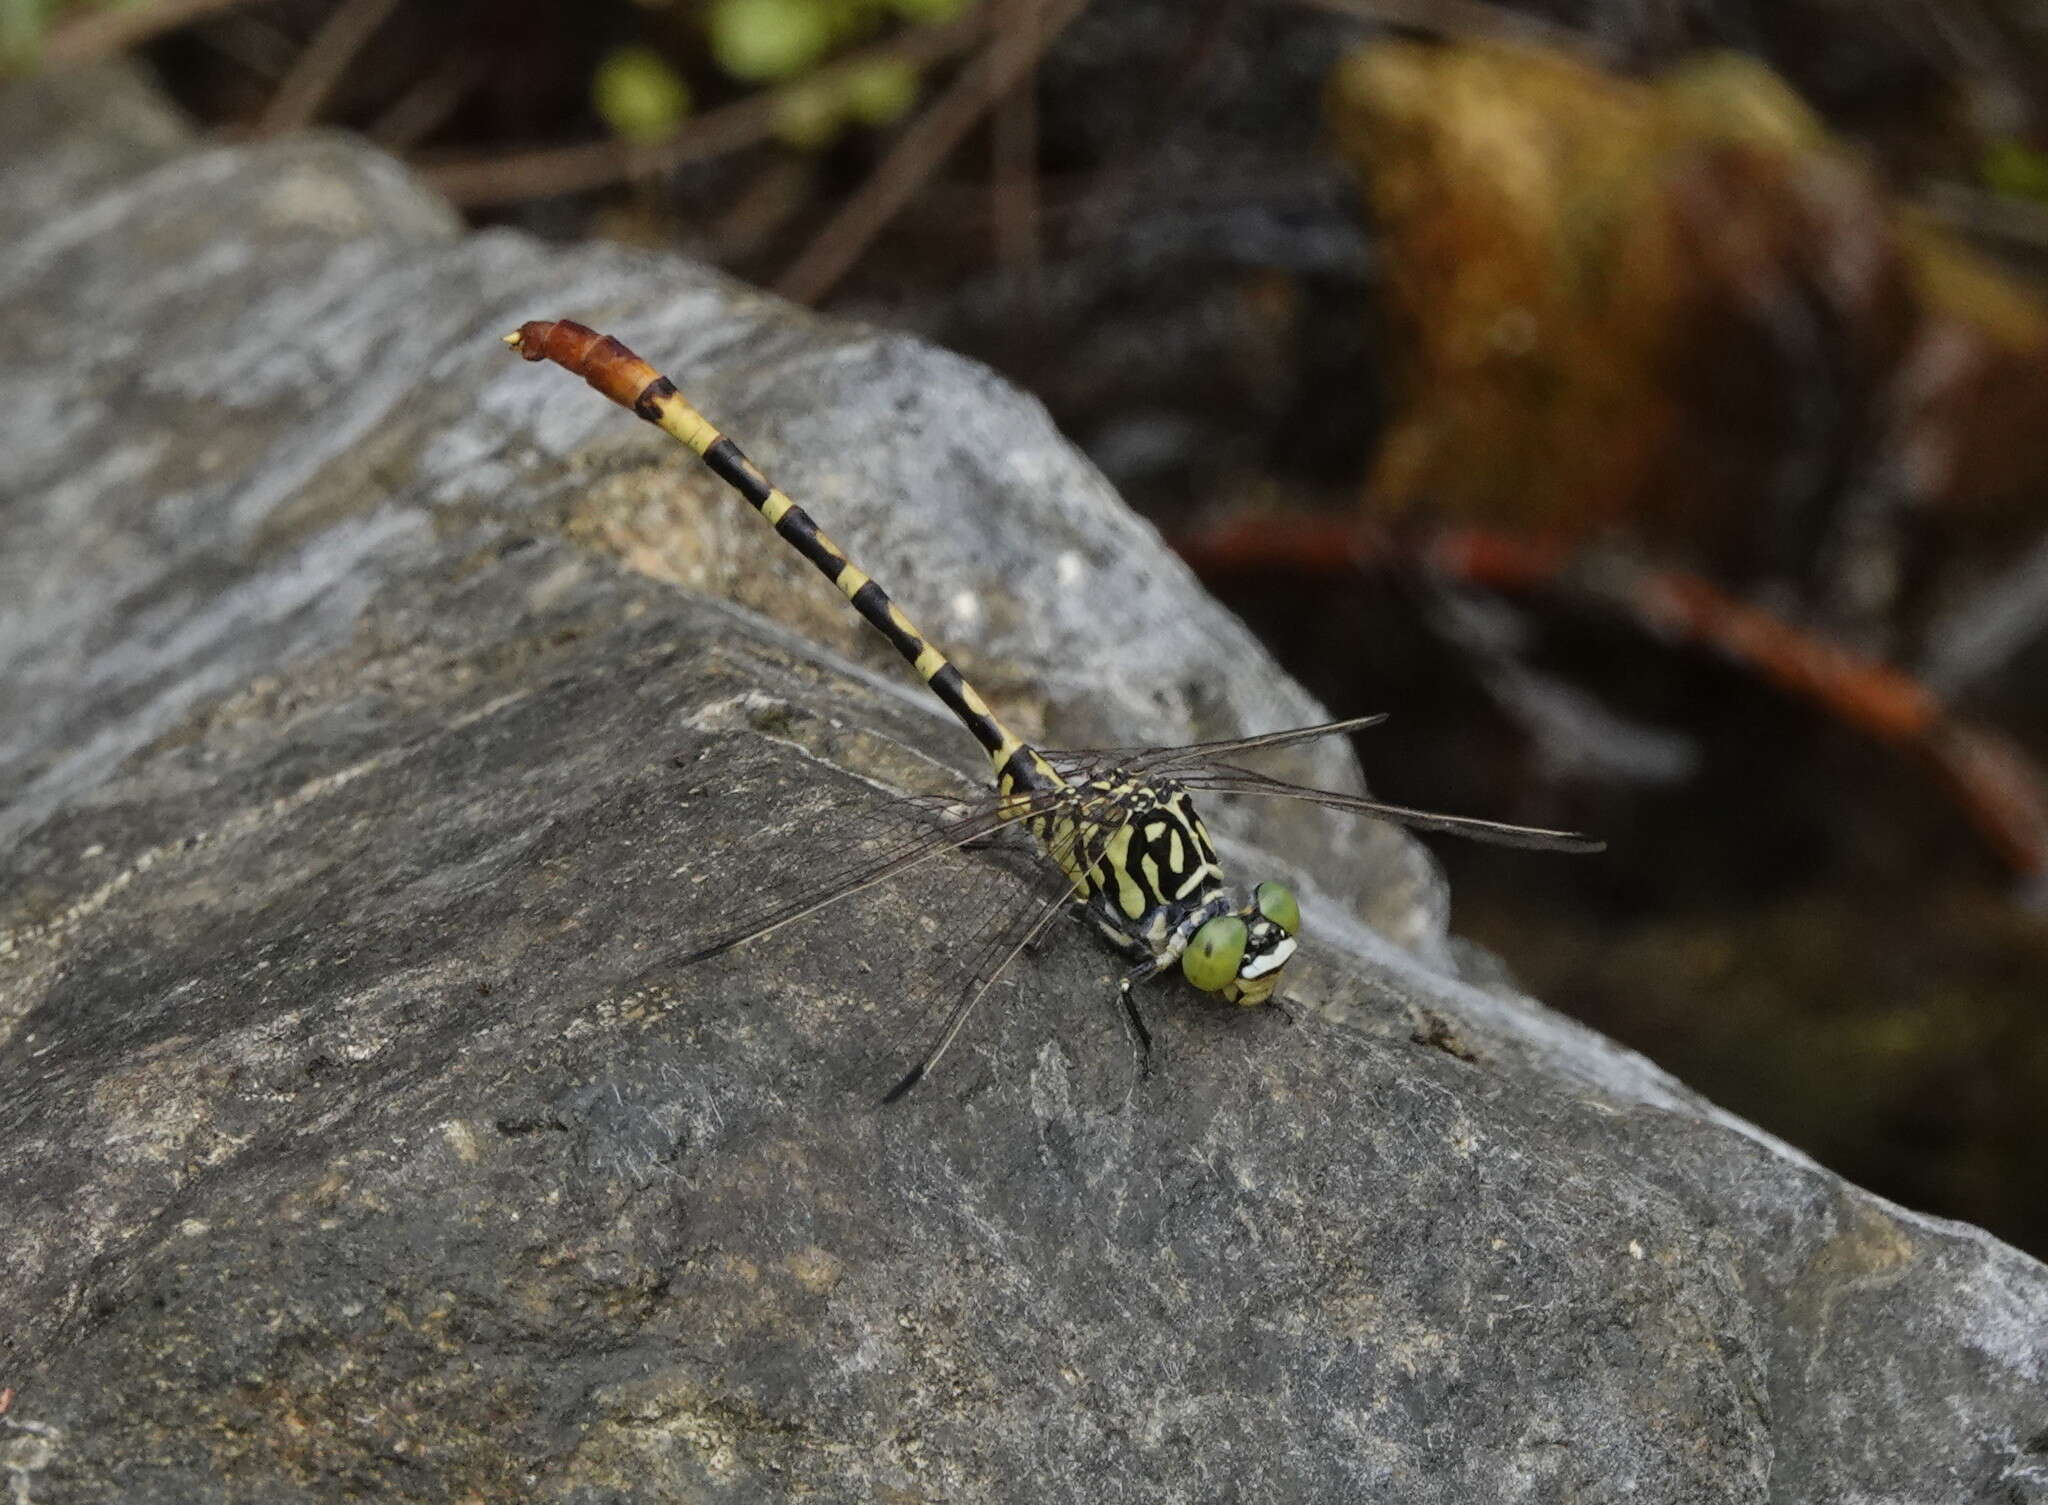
(1129, 852)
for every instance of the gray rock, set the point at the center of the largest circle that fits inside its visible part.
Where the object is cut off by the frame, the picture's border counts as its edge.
(372, 745)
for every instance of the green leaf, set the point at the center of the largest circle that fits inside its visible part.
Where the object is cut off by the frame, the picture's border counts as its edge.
(761, 40)
(639, 95)
(2014, 168)
(880, 92)
(22, 23)
(929, 10)
(808, 115)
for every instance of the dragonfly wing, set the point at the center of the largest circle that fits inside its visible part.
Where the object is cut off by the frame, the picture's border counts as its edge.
(1226, 778)
(957, 952)
(1003, 942)
(987, 966)
(1202, 766)
(890, 838)
(1160, 761)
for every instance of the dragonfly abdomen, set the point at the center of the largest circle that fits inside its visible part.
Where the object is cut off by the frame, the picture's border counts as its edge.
(627, 380)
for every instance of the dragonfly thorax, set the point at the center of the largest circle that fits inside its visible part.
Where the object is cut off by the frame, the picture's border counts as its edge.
(1156, 854)
(1158, 892)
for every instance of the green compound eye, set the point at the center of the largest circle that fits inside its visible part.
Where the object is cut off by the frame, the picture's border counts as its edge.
(1212, 956)
(1277, 904)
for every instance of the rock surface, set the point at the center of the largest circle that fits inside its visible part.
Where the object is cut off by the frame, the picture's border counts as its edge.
(371, 749)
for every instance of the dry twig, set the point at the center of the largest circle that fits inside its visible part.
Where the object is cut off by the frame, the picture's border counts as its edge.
(515, 177)
(110, 29)
(924, 144)
(422, 108)
(298, 99)
(1013, 152)
(2003, 222)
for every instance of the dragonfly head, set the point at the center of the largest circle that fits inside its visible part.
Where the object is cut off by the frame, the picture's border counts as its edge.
(1241, 952)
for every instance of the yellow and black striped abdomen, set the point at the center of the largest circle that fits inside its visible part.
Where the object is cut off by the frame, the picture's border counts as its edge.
(629, 381)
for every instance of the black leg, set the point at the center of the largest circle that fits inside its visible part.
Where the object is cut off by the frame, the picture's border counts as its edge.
(1043, 939)
(1134, 1022)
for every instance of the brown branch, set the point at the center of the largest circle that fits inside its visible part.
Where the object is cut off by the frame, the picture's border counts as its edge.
(924, 144)
(426, 105)
(1106, 200)
(1013, 153)
(297, 101)
(515, 177)
(1996, 219)
(769, 200)
(1997, 788)
(110, 29)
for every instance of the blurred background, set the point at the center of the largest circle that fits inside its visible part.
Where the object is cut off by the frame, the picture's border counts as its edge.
(1644, 400)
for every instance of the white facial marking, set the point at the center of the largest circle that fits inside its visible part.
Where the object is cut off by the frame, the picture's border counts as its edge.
(1272, 961)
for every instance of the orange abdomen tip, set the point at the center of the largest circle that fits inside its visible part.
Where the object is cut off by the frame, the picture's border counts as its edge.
(598, 358)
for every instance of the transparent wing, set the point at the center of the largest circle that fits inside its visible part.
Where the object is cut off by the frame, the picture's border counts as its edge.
(1160, 760)
(1203, 766)
(782, 880)
(1224, 778)
(987, 923)
(1004, 943)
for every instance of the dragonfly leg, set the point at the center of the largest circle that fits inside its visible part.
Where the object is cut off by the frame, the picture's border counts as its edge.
(1041, 941)
(1134, 1022)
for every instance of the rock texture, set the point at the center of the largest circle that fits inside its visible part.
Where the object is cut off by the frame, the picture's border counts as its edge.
(372, 744)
